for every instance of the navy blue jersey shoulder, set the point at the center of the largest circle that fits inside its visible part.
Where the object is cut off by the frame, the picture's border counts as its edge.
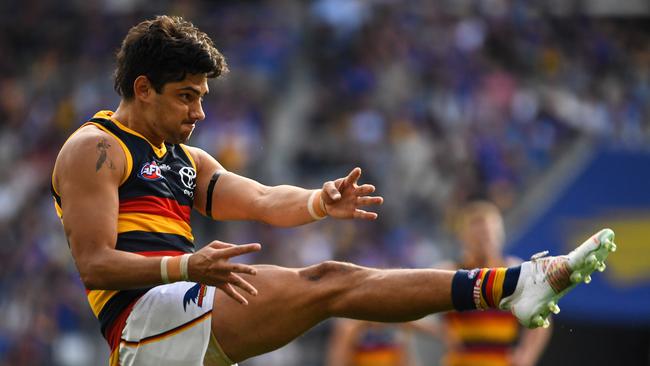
(175, 167)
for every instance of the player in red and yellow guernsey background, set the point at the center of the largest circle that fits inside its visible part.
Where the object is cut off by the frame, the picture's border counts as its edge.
(473, 338)
(490, 337)
(361, 343)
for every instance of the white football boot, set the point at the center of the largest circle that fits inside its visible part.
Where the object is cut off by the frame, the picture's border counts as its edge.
(544, 280)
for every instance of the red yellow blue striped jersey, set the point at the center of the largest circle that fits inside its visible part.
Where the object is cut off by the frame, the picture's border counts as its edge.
(379, 345)
(481, 338)
(155, 200)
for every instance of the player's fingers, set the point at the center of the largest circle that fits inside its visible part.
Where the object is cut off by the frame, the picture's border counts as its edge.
(230, 291)
(365, 215)
(240, 268)
(339, 183)
(364, 189)
(224, 268)
(368, 200)
(331, 192)
(216, 244)
(238, 250)
(242, 284)
(353, 177)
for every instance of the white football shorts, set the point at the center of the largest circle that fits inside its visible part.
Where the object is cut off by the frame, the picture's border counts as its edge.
(170, 325)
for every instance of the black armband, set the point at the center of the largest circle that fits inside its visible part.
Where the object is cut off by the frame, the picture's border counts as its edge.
(208, 202)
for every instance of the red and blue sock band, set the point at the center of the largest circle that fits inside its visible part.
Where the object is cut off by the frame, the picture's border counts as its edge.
(483, 288)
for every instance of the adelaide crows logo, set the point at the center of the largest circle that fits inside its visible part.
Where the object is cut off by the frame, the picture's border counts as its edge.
(195, 294)
(150, 171)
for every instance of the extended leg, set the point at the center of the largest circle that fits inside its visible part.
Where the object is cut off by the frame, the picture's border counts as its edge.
(291, 301)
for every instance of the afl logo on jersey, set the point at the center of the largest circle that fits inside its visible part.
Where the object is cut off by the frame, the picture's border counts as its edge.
(150, 171)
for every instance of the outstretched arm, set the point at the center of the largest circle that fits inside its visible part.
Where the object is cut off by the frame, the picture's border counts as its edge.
(87, 175)
(238, 198)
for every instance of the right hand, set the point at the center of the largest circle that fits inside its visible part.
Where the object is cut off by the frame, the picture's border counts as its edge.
(343, 197)
(210, 265)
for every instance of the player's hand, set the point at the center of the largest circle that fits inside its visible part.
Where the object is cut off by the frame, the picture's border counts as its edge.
(343, 197)
(211, 266)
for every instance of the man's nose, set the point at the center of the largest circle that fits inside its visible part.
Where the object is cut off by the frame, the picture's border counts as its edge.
(196, 113)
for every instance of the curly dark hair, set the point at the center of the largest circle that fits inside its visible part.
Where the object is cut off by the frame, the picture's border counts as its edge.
(165, 49)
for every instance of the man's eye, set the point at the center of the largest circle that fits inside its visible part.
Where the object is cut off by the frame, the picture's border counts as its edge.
(185, 96)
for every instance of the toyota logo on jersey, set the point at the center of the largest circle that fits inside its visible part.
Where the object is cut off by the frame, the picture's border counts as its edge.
(187, 177)
(150, 171)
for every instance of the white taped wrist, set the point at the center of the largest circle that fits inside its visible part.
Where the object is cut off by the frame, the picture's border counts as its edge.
(185, 259)
(163, 269)
(310, 206)
(322, 204)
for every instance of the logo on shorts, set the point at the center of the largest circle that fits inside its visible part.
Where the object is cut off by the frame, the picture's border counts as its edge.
(150, 171)
(195, 294)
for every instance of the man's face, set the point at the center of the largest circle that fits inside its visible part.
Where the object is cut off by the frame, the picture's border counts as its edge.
(179, 107)
(482, 234)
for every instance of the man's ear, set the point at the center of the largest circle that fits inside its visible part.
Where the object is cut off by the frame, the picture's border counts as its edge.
(142, 88)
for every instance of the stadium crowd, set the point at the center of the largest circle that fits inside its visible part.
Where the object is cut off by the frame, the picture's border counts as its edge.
(436, 101)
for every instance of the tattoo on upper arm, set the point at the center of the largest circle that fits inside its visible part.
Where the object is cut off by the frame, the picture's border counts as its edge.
(102, 148)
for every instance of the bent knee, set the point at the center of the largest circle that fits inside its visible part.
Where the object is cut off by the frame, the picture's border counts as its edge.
(327, 269)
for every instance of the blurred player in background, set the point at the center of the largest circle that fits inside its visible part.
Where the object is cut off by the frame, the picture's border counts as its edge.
(473, 338)
(124, 185)
(362, 343)
(490, 337)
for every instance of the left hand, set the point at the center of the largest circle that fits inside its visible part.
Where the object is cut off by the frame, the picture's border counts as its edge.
(343, 197)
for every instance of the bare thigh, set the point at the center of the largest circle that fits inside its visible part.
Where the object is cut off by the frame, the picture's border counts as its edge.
(290, 301)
